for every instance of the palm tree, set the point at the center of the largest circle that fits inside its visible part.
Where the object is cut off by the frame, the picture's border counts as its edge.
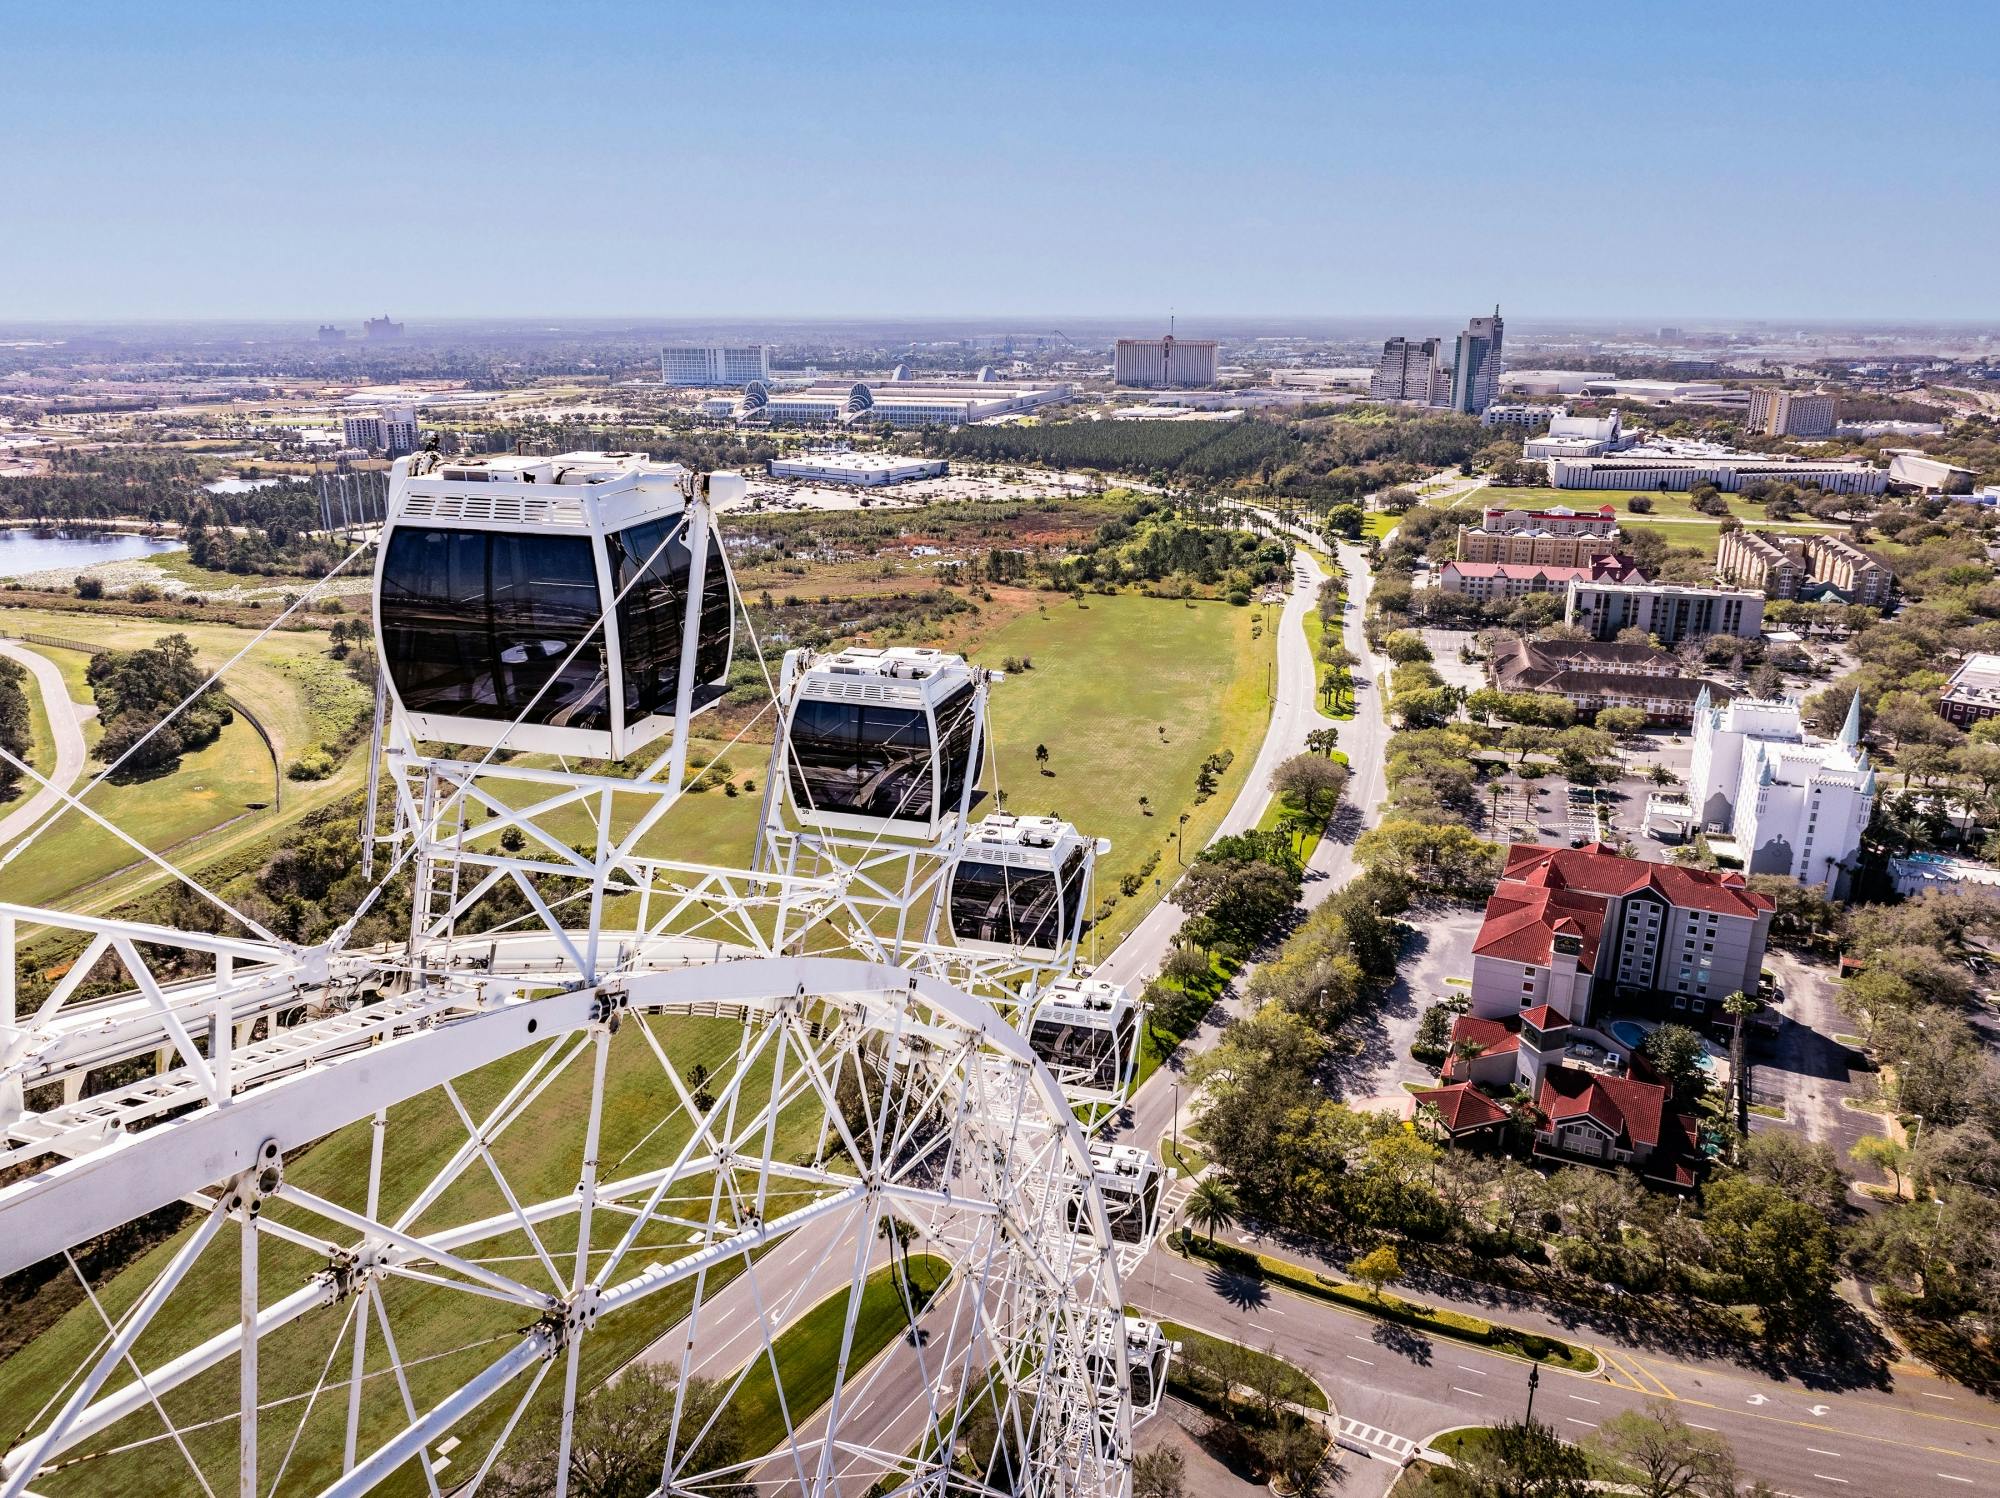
(1042, 757)
(1467, 1051)
(1739, 1006)
(1212, 1205)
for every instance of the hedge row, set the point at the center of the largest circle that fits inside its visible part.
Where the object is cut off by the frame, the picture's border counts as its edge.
(1457, 1325)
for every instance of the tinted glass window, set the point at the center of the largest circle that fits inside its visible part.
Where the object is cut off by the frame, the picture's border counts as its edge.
(1014, 907)
(954, 729)
(650, 615)
(482, 626)
(866, 760)
(1084, 1051)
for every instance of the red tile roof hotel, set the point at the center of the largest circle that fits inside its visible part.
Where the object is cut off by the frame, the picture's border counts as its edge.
(1546, 892)
(1605, 566)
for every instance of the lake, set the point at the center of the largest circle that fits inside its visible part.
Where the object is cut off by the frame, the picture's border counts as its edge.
(24, 550)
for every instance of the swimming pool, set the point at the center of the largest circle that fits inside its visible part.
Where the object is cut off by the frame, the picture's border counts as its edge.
(1628, 1032)
(1633, 1035)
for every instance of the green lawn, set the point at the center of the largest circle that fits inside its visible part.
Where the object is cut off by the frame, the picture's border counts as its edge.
(41, 738)
(1107, 680)
(1672, 505)
(1377, 523)
(442, 1335)
(808, 1351)
(305, 699)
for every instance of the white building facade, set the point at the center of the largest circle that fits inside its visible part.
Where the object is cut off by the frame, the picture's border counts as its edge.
(383, 429)
(714, 364)
(1168, 363)
(1777, 800)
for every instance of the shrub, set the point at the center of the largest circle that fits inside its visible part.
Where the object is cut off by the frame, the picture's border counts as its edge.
(314, 764)
(89, 587)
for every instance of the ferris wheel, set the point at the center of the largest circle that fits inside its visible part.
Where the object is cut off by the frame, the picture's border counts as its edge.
(806, 1144)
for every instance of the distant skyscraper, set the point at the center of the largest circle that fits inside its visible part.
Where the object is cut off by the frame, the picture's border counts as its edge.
(1409, 371)
(1166, 363)
(380, 327)
(385, 429)
(1790, 413)
(328, 333)
(714, 364)
(1475, 378)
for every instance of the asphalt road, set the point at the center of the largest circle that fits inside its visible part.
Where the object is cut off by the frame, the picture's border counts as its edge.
(1924, 1437)
(66, 722)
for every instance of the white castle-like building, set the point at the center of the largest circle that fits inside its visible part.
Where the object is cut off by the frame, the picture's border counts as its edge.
(1788, 804)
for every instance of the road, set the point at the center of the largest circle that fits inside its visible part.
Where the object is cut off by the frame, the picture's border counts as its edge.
(1926, 1437)
(66, 721)
(890, 1399)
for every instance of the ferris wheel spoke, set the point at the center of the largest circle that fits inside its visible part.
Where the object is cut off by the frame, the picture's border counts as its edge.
(507, 1191)
(166, 1420)
(419, 1248)
(21, 1464)
(535, 1081)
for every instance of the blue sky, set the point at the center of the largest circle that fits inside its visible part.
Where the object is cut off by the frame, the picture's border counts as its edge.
(1778, 159)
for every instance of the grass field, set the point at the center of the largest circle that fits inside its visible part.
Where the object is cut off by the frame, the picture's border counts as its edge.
(1666, 507)
(808, 1351)
(305, 700)
(1106, 680)
(441, 1335)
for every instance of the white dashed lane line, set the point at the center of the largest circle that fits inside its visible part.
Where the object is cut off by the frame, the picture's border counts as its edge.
(1353, 1359)
(1473, 1392)
(1592, 1424)
(1822, 1477)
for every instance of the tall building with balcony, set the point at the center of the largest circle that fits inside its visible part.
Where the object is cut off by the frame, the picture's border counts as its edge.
(1167, 363)
(1669, 612)
(382, 429)
(1790, 413)
(1475, 377)
(1409, 371)
(1816, 567)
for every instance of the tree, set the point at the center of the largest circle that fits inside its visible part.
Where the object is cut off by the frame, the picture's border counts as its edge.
(1675, 1052)
(1325, 740)
(15, 719)
(1739, 1006)
(136, 689)
(1782, 1251)
(1672, 1458)
(1622, 721)
(1524, 1459)
(1313, 782)
(1211, 1205)
(1042, 758)
(1376, 1268)
(1887, 1155)
(619, 1439)
(1159, 1473)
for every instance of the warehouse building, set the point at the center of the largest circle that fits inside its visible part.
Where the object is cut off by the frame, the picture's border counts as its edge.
(842, 465)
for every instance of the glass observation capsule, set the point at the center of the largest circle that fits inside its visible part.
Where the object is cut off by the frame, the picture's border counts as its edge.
(883, 740)
(544, 603)
(1018, 886)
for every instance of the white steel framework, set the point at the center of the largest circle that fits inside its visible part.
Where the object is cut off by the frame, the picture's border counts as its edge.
(604, 1109)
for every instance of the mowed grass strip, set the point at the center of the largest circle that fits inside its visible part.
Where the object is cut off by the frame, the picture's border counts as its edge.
(808, 1351)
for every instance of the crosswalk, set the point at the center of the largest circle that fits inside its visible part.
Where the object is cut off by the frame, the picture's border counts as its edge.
(1370, 1440)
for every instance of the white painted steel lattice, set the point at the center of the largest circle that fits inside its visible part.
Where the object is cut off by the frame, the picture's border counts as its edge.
(773, 1118)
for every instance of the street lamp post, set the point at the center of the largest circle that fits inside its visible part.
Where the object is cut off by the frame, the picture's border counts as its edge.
(1534, 1383)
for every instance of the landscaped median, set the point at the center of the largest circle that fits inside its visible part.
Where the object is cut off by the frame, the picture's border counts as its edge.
(1457, 1325)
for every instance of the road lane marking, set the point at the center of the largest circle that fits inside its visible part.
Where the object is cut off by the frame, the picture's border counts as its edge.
(1592, 1424)
(1948, 1477)
(1470, 1369)
(1946, 1397)
(1186, 1279)
(1581, 1400)
(1821, 1451)
(1822, 1477)
(1353, 1359)
(1473, 1392)
(1692, 1425)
